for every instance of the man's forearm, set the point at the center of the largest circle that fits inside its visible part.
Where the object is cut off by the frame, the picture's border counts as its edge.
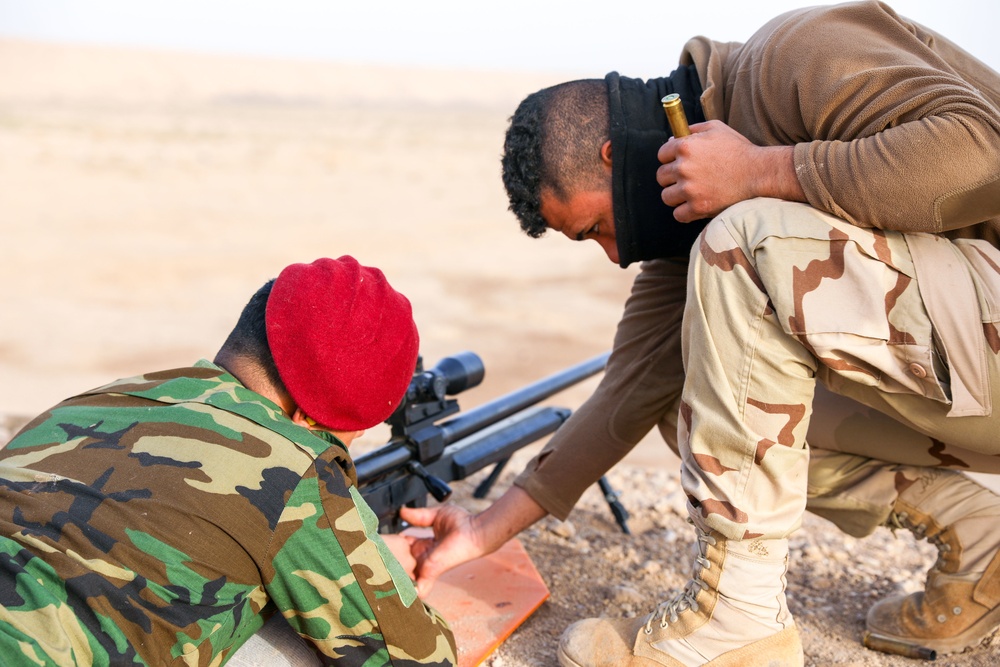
(716, 167)
(514, 511)
(640, 389)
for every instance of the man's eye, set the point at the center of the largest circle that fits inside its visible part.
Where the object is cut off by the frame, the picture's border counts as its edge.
(595, 230)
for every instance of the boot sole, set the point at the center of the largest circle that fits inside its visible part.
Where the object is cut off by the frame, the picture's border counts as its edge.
(565, 660)
(786, 644)
(973, 636)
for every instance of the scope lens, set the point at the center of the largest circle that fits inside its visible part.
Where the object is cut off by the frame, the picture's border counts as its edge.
(462, 371)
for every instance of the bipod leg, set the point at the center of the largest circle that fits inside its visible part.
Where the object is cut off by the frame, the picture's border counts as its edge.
(484, 486)
(610, 495)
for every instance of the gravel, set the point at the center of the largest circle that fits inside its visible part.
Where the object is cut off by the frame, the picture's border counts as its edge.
(593, 569)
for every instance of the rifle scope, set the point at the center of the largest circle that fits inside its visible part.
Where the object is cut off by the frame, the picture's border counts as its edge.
(451, 375)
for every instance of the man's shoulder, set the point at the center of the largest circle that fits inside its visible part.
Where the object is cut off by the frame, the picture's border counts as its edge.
(204, 397)
(183, 383)
(199, 389)
(808, 27)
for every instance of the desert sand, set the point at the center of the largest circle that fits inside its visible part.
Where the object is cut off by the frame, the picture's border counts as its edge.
(145, 195)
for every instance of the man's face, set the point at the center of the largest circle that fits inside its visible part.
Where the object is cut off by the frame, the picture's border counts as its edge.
(586, 215)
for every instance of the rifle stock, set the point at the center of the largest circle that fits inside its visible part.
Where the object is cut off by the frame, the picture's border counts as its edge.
(422, 456)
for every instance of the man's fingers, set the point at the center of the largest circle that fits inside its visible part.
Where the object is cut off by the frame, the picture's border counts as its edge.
(417, 543)
(672, 196)
(426, 571)
(429, 568)
(418, 516)
(666, 175)
(684, 214)
(424, 585)
(667, 151)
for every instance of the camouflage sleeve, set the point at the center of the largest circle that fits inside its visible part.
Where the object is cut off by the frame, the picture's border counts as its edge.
(340, 587)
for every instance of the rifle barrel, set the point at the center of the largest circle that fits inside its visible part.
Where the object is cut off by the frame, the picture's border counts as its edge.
(396, 454)
(371, 465)
(519, 399)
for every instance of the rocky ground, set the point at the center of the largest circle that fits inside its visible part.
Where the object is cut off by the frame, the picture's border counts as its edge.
(593, 569)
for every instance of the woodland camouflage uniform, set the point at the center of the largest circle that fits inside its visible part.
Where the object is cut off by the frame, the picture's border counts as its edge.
(179, 509)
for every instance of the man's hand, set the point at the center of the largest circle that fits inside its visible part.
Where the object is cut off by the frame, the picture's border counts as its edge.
(460, 537)
(455, 541)
(716, 167)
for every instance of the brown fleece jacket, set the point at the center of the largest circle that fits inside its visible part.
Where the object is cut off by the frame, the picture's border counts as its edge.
(894, 127)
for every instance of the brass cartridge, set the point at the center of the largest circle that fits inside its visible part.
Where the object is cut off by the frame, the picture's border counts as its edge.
(675, 115)
(887, 645)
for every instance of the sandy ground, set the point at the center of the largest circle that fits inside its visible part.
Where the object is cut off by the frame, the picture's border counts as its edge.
(144, 196)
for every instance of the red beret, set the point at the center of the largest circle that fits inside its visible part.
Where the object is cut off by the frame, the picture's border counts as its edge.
(343, 341)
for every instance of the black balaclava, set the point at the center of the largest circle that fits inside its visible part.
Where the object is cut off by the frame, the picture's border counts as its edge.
(644, 225)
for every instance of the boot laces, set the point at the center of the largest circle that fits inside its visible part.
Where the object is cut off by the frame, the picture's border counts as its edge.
(898, 520)
(687, 598)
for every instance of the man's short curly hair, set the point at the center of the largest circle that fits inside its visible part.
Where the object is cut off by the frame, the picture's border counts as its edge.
(553, 144)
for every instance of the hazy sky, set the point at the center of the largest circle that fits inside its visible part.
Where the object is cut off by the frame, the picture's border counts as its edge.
(635, 37)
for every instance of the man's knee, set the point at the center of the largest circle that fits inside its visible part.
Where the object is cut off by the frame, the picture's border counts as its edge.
(752, 223)
(742, 235)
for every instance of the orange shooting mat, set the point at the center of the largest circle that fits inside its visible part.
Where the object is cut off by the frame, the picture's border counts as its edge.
(485, 600)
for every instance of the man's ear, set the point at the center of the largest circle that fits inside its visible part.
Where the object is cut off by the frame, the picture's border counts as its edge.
(301, 418)
(606, 153)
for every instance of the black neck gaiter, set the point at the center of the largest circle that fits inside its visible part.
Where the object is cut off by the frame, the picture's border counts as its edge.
(644, 225)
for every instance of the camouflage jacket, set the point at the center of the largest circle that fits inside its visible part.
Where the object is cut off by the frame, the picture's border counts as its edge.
(161, 518)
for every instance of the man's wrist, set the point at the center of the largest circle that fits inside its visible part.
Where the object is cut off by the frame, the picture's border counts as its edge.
(514, 511)
(776, 175)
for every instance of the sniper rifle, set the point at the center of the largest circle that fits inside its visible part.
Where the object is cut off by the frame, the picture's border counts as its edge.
(424, 453)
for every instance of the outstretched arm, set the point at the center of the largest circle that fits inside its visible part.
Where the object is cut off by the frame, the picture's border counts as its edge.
(460, 536)
(640, 389)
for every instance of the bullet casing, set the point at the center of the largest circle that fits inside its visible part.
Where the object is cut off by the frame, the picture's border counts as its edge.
(675, 115)
(887, 645)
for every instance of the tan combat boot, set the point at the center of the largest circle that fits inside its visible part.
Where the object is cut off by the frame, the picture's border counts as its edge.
(731, 613)
(960, 603)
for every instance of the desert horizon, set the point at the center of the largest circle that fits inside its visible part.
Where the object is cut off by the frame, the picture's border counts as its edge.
(148, 193)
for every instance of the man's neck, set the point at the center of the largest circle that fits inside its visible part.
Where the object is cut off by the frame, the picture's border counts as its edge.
(249, 373)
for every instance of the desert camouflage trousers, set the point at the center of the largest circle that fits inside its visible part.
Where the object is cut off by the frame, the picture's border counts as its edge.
(781, 296)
